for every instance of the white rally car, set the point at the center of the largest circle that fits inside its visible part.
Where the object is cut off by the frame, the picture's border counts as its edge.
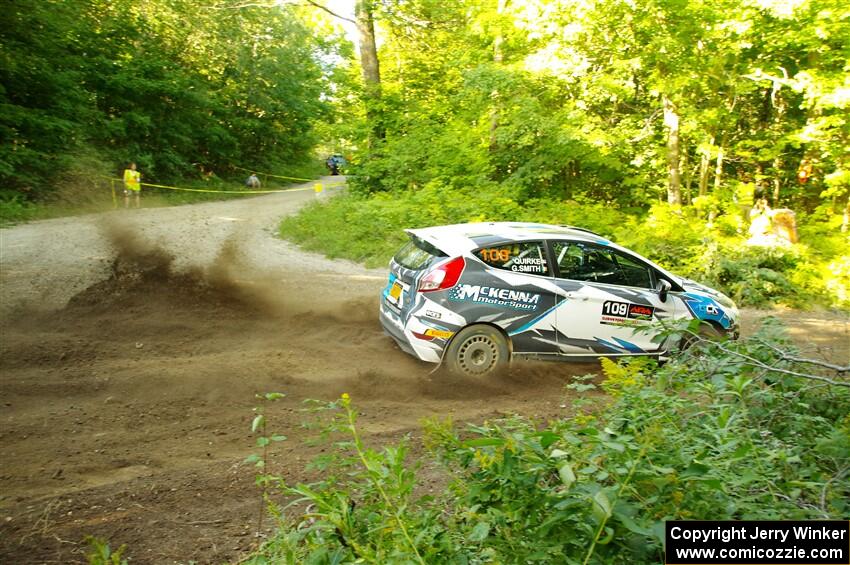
(474, 295)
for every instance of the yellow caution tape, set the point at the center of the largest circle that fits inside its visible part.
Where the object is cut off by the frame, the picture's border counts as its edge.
(242, 192)
(246, 192)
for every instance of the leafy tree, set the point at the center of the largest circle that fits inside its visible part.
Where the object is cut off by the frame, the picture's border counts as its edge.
(184, 87)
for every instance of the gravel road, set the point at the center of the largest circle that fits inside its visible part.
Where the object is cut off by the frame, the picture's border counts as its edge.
(45, 263)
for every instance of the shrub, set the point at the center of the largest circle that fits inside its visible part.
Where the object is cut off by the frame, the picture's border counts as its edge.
(14, 208)
(369, 229)
(741, 430)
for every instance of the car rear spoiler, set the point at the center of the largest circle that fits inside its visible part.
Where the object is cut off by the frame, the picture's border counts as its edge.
(428, 241)
(585, 230)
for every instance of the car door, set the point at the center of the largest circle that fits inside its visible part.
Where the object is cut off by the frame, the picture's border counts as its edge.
(514, 289)
(610, 300)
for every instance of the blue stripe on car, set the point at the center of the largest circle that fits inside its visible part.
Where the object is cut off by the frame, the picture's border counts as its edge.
(628, 346)
(527, 325)
(621, 345)
(698, 305)
(608, 344)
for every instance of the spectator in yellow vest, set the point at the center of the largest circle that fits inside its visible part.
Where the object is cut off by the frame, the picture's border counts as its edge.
(132, 184)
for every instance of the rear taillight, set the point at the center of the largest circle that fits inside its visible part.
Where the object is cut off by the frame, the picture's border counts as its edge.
(443, 276)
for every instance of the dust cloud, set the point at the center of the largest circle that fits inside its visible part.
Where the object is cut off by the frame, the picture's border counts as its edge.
(314, 335)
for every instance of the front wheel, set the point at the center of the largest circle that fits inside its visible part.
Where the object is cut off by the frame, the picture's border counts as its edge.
(477, 351)
(705, 333)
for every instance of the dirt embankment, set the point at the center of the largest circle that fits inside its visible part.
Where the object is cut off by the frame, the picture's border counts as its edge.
(126, 409)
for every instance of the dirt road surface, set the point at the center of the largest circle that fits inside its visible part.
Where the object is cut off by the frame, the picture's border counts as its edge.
(133, 343)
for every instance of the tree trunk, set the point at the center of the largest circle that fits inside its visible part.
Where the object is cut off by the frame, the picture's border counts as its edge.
(369, 66)
(718, 177)
(760, 188)
(497, 59)
(777, 182)
(718, 168)
(684, 166)
(671, 121)
(704, 166)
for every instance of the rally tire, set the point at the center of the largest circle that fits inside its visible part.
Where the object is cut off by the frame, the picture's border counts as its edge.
(477, 351)
(706, 332)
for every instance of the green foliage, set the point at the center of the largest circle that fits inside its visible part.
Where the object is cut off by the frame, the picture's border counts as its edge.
(182, 88)
(563, 112)
(101, 554)
(15, 209)
(380, 525)
(815, 272)
(259, 425)
(718, 433)
(755, 276)
(707, 436)
(565, 99)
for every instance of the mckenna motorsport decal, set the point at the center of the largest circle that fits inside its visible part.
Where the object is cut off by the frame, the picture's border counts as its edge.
(516, 299)
(625, 313)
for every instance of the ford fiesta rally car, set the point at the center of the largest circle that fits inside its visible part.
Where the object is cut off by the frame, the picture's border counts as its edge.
(474, 295)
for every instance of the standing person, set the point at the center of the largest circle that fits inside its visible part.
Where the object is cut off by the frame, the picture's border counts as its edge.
(132, 183)
(332, 164)
(253, 181)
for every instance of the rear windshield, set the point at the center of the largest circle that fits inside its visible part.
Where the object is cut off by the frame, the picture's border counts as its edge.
(416, 253)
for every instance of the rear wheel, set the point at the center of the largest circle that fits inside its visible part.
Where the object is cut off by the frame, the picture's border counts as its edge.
(477, 351)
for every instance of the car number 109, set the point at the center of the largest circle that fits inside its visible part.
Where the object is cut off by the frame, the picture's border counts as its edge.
(611, 308)
(627, 310)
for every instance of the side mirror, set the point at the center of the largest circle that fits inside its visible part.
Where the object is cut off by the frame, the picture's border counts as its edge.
(663, 287)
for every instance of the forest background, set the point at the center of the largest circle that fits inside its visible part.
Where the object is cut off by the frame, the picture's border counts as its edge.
(657, 123)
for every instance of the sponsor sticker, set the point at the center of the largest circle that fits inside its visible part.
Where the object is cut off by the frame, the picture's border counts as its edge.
(395, 291)
(625, 312)
(503, 297)
(441, 334)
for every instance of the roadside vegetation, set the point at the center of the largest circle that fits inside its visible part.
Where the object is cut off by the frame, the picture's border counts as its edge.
(815, 272)
(657, 124)
(747, 430)
(102, 195)
(189, 91)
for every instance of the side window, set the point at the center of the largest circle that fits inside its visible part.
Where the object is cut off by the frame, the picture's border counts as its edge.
(591, 263)
(526, 257)
(635, 273)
